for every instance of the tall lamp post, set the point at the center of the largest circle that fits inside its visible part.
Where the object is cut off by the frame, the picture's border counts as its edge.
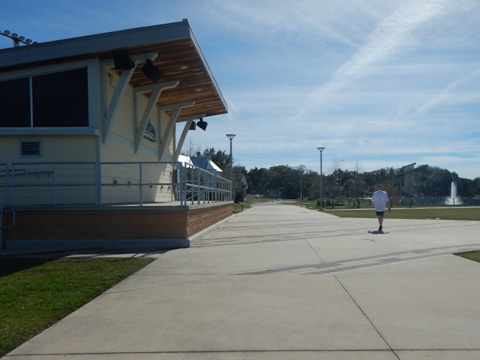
(231, 136)
(321, 148)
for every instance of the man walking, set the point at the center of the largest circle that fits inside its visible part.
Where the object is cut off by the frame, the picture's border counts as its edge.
(381, 203)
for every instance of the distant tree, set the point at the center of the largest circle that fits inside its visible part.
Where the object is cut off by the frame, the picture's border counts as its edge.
(300, 171)
(257, 181)
(276, 180)
(192, 149)
(465, 187)
(241, 185)
(335, 180)
(290, 182)
(311, 180)
(437, 181)
(476, 186)
(354, 186)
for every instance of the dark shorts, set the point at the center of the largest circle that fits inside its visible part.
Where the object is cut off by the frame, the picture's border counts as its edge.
(380, 213)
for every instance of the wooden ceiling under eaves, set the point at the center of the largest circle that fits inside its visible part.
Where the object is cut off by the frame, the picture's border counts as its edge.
(180, 60)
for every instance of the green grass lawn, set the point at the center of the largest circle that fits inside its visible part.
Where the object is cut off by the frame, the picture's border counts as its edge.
(472, 255)
(36, 293)
(443, 213)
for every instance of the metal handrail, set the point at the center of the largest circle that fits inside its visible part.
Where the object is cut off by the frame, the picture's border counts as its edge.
(189, 183)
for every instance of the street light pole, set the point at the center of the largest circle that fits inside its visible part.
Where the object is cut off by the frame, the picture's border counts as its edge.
(231, 136)
(321, 148)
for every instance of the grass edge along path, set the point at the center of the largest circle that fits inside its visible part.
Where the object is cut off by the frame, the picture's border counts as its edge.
(36, 293)
(471, 255)
(437, 213)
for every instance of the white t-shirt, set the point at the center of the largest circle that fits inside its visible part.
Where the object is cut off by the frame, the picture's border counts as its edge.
(380, 199)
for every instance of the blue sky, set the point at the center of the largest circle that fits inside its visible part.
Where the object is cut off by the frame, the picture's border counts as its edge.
(377, 83)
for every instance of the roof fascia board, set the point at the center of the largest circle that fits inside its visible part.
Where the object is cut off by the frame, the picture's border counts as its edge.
(94, 44)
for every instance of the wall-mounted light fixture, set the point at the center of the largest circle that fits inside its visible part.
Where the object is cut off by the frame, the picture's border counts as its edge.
(202, 124)
(151, 71)
(122, 61)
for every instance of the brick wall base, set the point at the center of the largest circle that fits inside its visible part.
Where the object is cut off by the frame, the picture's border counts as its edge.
(108, 225)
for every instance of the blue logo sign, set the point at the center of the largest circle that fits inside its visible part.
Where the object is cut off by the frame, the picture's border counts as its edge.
(150, 133)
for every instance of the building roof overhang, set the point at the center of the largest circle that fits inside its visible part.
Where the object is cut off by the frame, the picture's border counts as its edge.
(179, 58)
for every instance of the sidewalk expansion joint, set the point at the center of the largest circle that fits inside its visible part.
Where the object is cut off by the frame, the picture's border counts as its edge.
(366, 316)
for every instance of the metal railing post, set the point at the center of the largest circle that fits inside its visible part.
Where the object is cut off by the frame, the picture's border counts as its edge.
(2, 245)
(54, 184)
(140, 168)
(98, 183)
(198, 187)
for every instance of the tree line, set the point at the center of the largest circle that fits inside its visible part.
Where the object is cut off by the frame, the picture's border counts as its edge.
(287, 182)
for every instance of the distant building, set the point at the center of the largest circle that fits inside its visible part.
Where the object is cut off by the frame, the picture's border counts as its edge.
(409, 181)
(204, 162)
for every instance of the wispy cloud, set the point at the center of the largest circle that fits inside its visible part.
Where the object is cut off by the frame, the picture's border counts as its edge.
(391, 36)
(444, 95)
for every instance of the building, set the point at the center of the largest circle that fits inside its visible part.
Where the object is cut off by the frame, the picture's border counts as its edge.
(204, 162)
(409, 181)
(88, 150)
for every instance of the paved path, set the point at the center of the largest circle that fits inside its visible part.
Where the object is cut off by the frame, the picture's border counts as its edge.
(282, 282)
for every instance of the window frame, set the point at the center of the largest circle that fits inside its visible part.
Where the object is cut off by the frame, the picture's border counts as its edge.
(93, 98)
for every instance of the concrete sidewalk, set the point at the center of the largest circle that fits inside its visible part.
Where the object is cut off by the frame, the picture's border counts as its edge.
(283, 282)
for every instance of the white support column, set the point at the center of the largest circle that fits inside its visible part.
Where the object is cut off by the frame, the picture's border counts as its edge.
(113, 106)
(176, 152)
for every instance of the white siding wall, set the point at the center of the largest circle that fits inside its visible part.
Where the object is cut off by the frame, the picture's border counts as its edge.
(34, 176)
(122, 180)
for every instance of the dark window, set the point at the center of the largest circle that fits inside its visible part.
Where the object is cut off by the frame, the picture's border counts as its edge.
(58, 100)
(15, 103)
(61, 99)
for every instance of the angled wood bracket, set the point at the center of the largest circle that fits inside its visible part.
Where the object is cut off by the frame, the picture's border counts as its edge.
(119, 90)
(168, 133)
(156, 90)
